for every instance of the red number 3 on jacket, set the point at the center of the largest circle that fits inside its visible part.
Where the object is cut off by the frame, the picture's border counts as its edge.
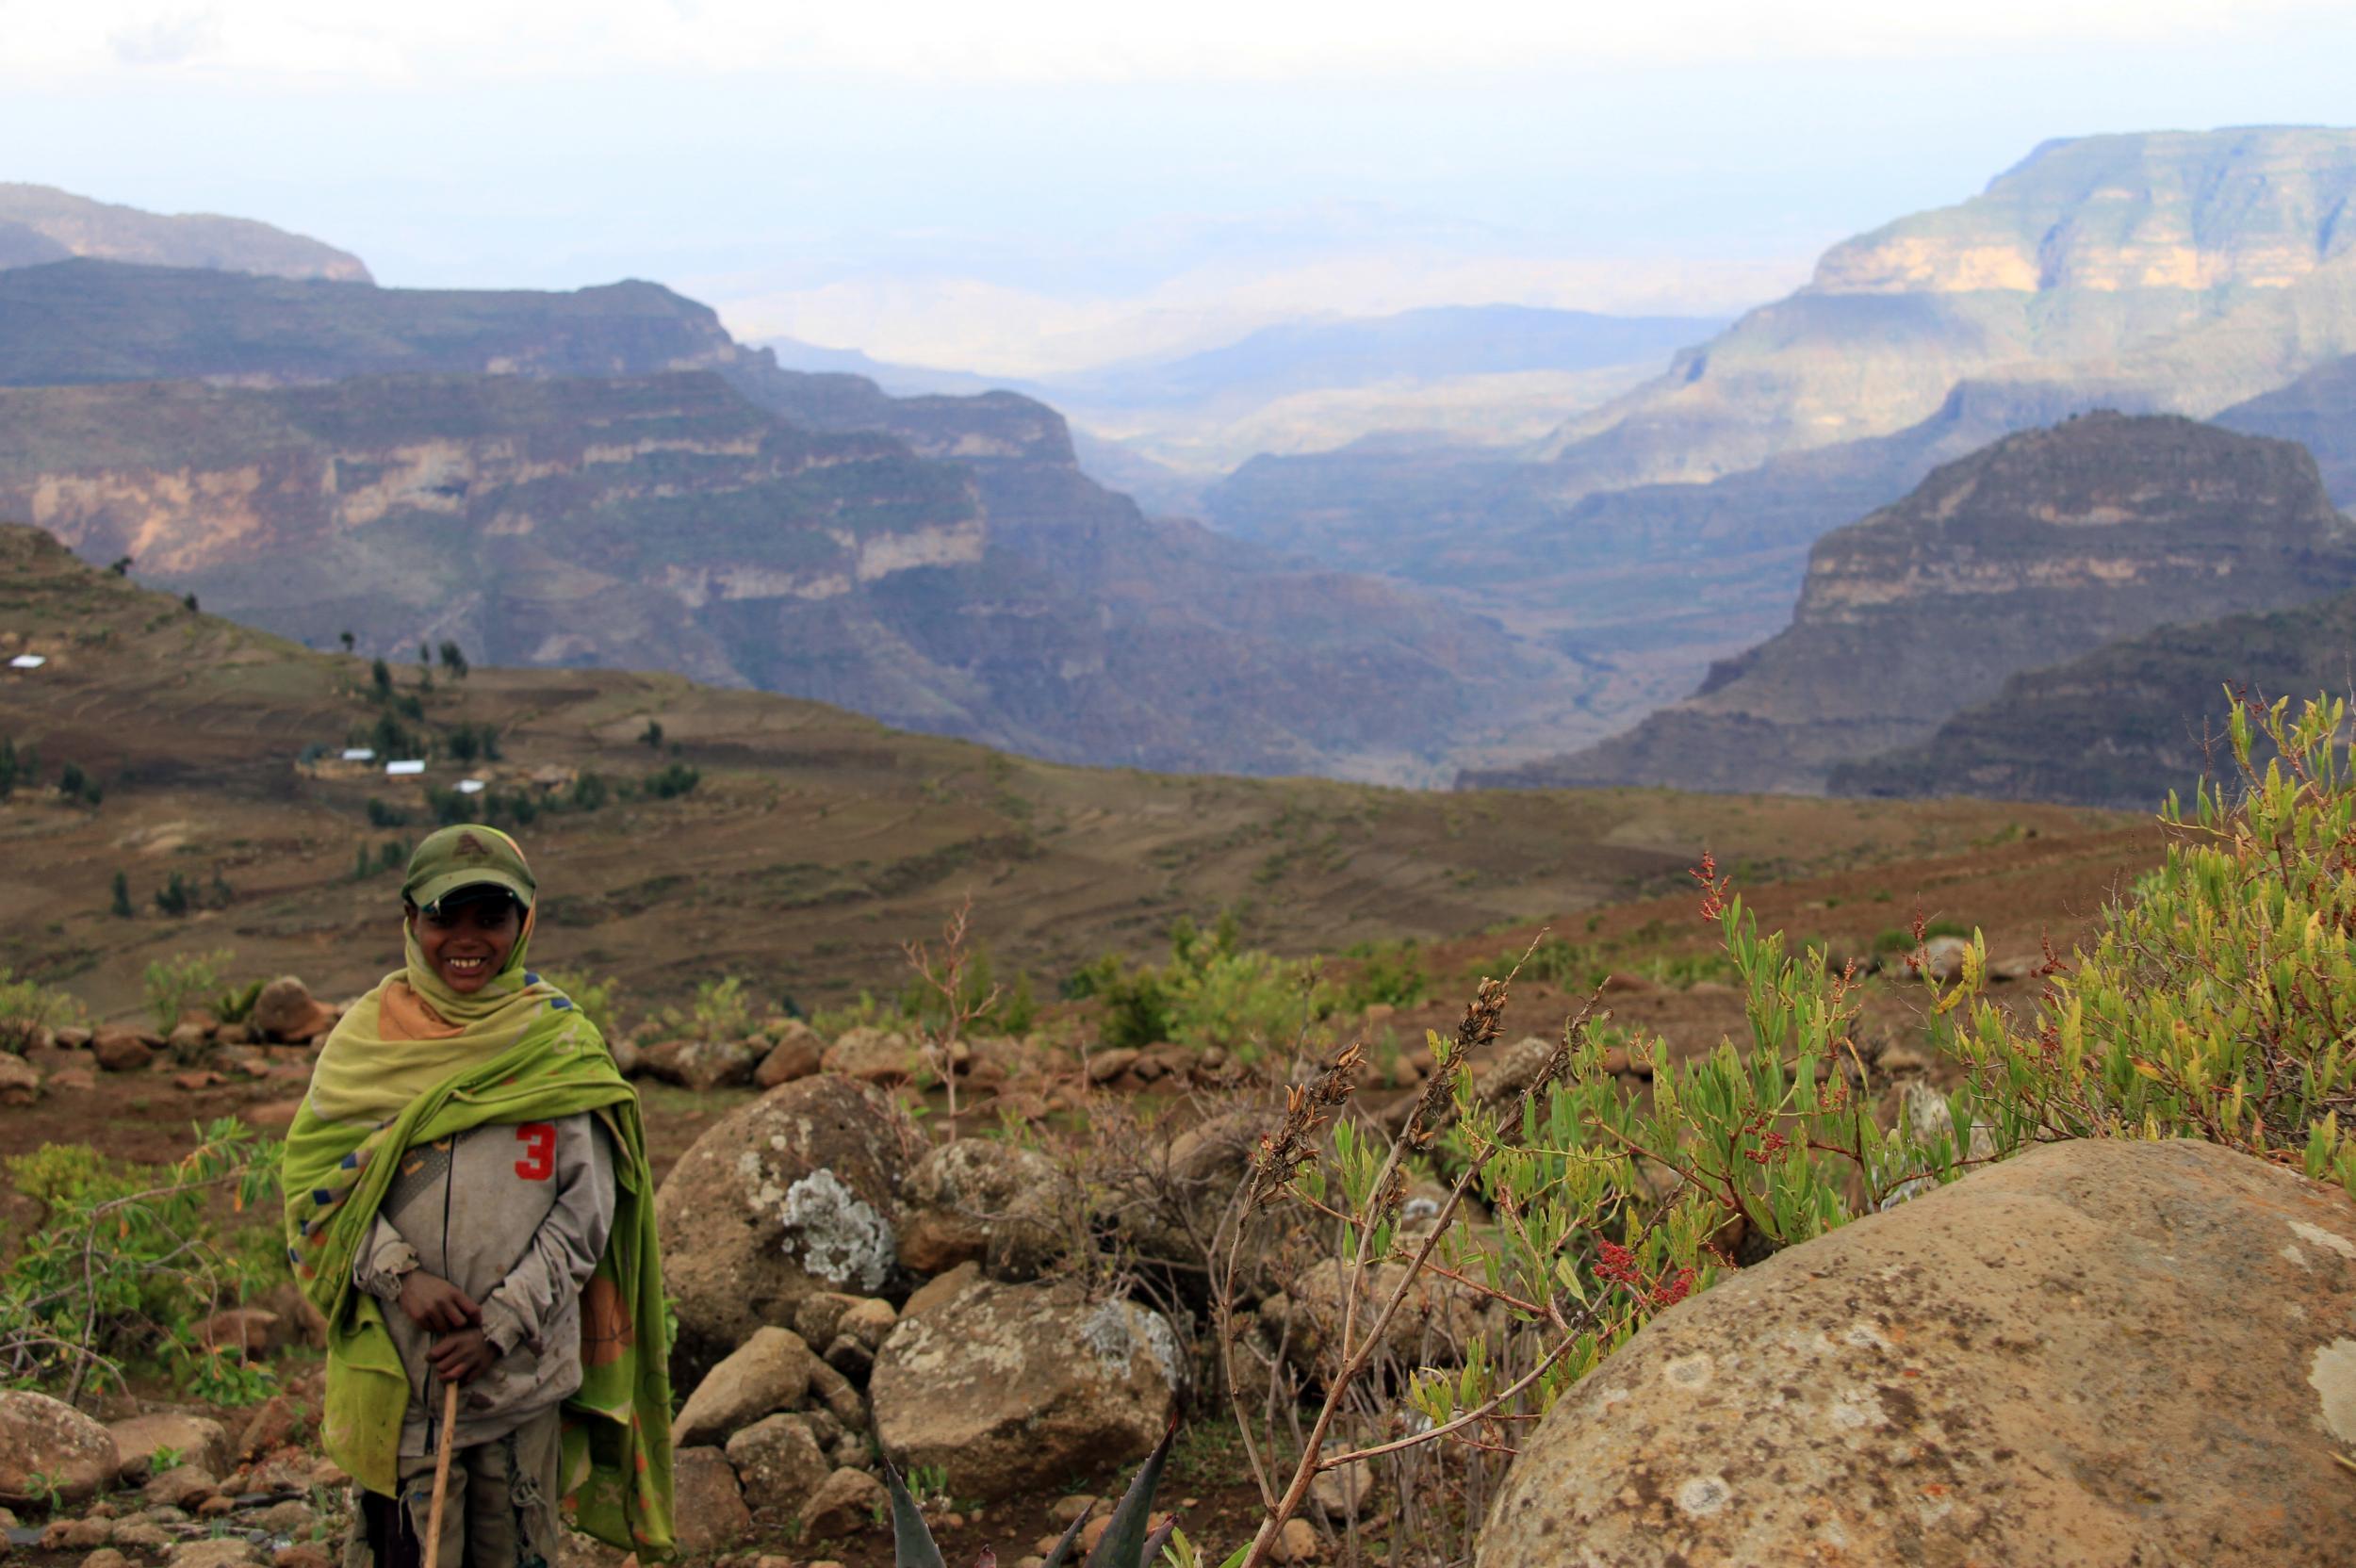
(539, 1141)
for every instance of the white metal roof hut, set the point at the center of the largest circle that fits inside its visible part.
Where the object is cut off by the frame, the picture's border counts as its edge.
(409, 769)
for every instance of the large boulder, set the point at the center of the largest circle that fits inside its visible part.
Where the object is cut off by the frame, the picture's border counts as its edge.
(768, 1372)
(789, 1194)
(780, 1467)
(987, 1200)
(48, 1446)
(286, 1011)
(196, 1440)
(701, 1065)
(707, 1503)
(874, 1055)
(2100, 1351)
(1011, 1388)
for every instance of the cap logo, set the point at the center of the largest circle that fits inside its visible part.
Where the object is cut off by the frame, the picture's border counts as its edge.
(468, 844)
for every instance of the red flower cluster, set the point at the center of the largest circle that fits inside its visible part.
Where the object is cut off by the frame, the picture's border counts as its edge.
(1617, 1266)
(1713, 886)
(1768, 1147)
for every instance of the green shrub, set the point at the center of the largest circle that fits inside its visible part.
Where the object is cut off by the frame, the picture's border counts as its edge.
(2213, 1005)
(127, 1262)
(594, 995)
(1390, 974)
(672, 780)
(173, 985)
(28, 1007)
(721, 1011)
(383, 815)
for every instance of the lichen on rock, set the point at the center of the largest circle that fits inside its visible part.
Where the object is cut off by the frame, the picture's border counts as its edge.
(839, 1237)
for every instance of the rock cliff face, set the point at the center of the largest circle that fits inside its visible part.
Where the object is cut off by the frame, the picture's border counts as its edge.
(2046, 546)
(2126, 724)
(40, 224)
(2163, 273)
(2178, 272)
(606, 477)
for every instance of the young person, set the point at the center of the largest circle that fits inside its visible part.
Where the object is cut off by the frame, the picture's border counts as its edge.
(469, 1202)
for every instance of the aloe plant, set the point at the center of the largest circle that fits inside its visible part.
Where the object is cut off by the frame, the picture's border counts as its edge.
(1126, 1543)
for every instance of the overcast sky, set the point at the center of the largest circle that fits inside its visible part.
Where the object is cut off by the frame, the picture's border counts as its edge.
(1018, 187)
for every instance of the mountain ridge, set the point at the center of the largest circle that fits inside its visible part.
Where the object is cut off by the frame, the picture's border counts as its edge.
(40, 223)
(2043, 546)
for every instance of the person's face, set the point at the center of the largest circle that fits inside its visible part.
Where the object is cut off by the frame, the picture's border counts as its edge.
(466, 943)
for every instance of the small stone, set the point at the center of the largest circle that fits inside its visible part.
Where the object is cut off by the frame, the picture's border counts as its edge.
(228, 1551)
(846, 1504)
(1105, 1065)
(19, 1081)
(710, 1504)
(302, 1554)
(852, 1358)
(250, 1329)
(869, 1320)
(182, 1486)
(794, 1057)
(289, 1518)
(74, 1455)
(1066, 1510)
(144, 1535)
(1295, 1543)
(216, 1506)
(78, 1535)
(271, 1426)
(105, 1557)
(286, 1011)
(120, 1050)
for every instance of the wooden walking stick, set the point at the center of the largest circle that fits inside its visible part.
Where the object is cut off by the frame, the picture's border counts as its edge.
(441, 1476)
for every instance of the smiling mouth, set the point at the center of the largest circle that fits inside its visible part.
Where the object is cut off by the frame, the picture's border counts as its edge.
(466, 967)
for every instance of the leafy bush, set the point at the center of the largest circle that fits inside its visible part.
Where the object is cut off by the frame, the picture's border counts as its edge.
(127, 1262)
(672, 780)
(594, 995)
(1212, 992)
(2213, 1003)
(1391, 974)
(382, 815)
(174, 983)
(28, 1007)
(719, 1012)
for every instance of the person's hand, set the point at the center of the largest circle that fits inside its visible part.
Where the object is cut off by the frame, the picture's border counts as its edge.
(433, 1302)
(462, 1357)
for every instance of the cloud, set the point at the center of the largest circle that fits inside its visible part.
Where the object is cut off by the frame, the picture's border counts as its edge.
(167, 39)
(1039, 40)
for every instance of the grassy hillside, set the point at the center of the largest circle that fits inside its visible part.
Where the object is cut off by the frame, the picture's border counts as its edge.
(812, 843)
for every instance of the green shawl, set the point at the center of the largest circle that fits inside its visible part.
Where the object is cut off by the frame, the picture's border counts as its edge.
(535, 1058)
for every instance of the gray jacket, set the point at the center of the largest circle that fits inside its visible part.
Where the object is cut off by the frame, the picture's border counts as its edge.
(517, 1216)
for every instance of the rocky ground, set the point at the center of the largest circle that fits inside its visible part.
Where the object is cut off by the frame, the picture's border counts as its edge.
(849, 1280)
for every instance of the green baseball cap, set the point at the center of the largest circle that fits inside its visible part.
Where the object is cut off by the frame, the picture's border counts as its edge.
(467, 855)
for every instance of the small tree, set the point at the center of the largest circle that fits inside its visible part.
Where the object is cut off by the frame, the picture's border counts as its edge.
(652, 737)
(123, 897)
(382, 673)
(348, 641)
(454, 660)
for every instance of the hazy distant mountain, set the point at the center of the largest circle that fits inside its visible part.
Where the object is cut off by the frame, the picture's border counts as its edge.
(2185, 270)
(2167, 272)
(1481, 374)
(2046, 546)
(605, 476)
(2317, 411)
(40, 224)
